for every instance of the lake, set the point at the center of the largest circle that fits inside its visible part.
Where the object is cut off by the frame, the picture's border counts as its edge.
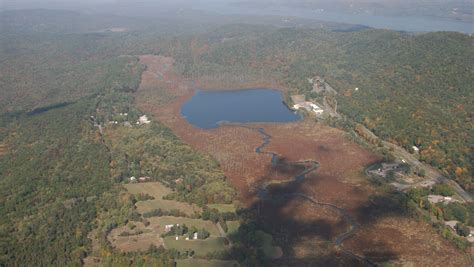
(399, 23)
(208, 109)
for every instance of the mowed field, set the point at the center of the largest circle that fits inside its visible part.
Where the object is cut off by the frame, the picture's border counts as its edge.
(158, 190)
(3, 149)
(386, 235)
(222, 207)
(141, 237)
(200, 247)
(206, 263)
(140, 242)
(198, 223)
(232, 227)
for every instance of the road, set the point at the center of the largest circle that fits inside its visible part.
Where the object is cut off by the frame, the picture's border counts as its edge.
(432, 175)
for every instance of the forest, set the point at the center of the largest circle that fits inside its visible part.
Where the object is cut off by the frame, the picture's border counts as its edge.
(60, 178)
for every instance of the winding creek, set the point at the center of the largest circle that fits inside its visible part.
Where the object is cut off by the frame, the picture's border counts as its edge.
(264, 194)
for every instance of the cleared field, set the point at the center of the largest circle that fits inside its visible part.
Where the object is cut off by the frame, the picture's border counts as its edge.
(162, 221)
(200, 247)
(151, 235)
(266, 242)
(158, 190)
(233, 227)
(222, 207)
(139, 242)
(205, 263)
(166, 205)
(3, 149)
(155, 189)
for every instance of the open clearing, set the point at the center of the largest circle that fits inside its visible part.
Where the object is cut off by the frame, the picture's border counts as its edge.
(232, 227)
(151, 234)
(158, 190)
(206, 263)
(200, 247)
(3, 149)
(140, 242)
(164, 220)
(222, 207)
(266, 242)
(154, 189)
(298, 227)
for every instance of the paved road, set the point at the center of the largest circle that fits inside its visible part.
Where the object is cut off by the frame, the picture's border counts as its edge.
(431, 173)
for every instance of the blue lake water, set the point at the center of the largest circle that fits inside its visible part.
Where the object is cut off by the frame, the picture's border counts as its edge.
(207, 109)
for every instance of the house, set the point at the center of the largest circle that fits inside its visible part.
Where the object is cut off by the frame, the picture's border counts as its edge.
(470, 237)
(179, 181)
(133, 179)
(195, 236)
(310, 80)
(440, 199)
(177, 238)
(143, 120)
(168, 227)
(309, 106)
(451, 225)
(416, 149)
(143, 179)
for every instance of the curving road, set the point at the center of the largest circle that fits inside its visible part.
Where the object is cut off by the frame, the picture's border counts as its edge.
(265, 195)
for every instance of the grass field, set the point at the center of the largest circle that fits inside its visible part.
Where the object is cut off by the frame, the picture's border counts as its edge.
(266, 241)
(141, 242)
(205, 263)
(164, 220)
(155, 189)
(200, 247)
(158, 190)
(232, 227)
(222, 207)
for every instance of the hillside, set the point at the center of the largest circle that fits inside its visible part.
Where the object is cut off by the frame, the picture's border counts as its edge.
(71, 96)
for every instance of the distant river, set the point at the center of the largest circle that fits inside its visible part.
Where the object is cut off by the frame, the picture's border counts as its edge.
(409, 23)
(207, 109)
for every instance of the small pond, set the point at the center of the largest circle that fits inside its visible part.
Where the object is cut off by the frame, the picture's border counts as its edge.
(208, 109)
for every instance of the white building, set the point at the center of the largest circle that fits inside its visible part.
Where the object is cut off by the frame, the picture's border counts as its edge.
(168, 227)
(195, 236)
(416, 149)
(143, 120)
(133, 179)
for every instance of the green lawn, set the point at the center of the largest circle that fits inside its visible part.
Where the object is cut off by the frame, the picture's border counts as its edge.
(158, 190)
(200, 247)
(198, 223)
(266, 242)
(155, 189)
(233, 227)
(222, 207)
